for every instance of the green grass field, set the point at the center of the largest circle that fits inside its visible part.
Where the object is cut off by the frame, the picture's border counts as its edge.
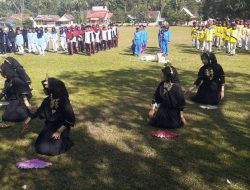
(111, 94)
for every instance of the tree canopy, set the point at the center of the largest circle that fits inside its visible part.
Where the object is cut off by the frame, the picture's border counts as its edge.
(170, 9)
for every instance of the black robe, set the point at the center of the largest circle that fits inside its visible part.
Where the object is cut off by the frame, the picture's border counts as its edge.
(171, 102)
(14, 91)
(60, 115)
(210, 78)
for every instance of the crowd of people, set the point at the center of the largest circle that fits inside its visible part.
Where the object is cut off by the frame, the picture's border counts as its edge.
(85, 39)
(168, 101)
(55, 109)
(222, 35)
(140, 40)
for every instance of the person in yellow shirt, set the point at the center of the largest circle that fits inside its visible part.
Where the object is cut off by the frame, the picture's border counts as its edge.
(209, 38)
(194, 34)
(214, 27)
(223, 33)
(202, 38)
(233, 40)
(227, 38)
(218, 35)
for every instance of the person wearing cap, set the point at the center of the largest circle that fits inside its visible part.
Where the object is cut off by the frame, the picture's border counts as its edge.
(168, 103)
(233, 40)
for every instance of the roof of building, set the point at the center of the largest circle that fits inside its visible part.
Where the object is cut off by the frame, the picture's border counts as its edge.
(99, 14)
(188, 12)
(20, 16)
(48, 18)
(154, 14)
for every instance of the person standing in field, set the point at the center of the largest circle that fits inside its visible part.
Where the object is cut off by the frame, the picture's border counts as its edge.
(166, 36)
(233, 40)
(209, 38)
(19, 41)
(47, 37)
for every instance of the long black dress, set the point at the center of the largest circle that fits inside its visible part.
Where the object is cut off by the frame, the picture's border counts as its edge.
(171, 102)
(56, 112)
(15, 89)
(210, 78)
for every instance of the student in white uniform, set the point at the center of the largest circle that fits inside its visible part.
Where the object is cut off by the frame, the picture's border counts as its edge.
(47, 37)
(109, 31)
(104, 38)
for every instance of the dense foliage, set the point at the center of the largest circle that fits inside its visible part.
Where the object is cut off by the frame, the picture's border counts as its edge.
(139, 8)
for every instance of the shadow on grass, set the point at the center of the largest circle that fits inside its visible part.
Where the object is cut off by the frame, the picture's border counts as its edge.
(113, 147)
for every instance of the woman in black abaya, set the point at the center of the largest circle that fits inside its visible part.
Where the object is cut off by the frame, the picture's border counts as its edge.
(170, 101)
(16, 92)
(210, 81)
(59, 117)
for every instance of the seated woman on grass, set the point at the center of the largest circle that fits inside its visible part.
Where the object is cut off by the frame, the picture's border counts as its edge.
(168, 103)
(210, 81)
(17, 92)
(59, 118)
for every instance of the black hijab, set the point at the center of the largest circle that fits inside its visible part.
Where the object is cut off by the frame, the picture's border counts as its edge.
(56, 88)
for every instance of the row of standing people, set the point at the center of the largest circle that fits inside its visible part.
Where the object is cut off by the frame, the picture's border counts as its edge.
(164, 38)
(140, 40)
(78, 39)
(229, 36)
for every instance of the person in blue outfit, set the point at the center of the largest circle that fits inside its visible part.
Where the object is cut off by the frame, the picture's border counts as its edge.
(144, 38)
(160, 33)
(137, 42)
(40, 42)
(54, 38)
(165, 40)
(19, 41)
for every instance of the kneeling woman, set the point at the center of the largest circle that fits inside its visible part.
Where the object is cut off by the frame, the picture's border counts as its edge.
(170, 101)
(16, 91)
(59, 118)
(210, 81)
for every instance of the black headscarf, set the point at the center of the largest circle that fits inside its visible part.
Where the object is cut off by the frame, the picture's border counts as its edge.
(213, 59)
(206, 56)
(18, 68)
(168, 73)
(55, 87)
(7, 71)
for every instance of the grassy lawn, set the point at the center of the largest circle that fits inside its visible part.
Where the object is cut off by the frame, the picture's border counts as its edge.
(111, 94)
